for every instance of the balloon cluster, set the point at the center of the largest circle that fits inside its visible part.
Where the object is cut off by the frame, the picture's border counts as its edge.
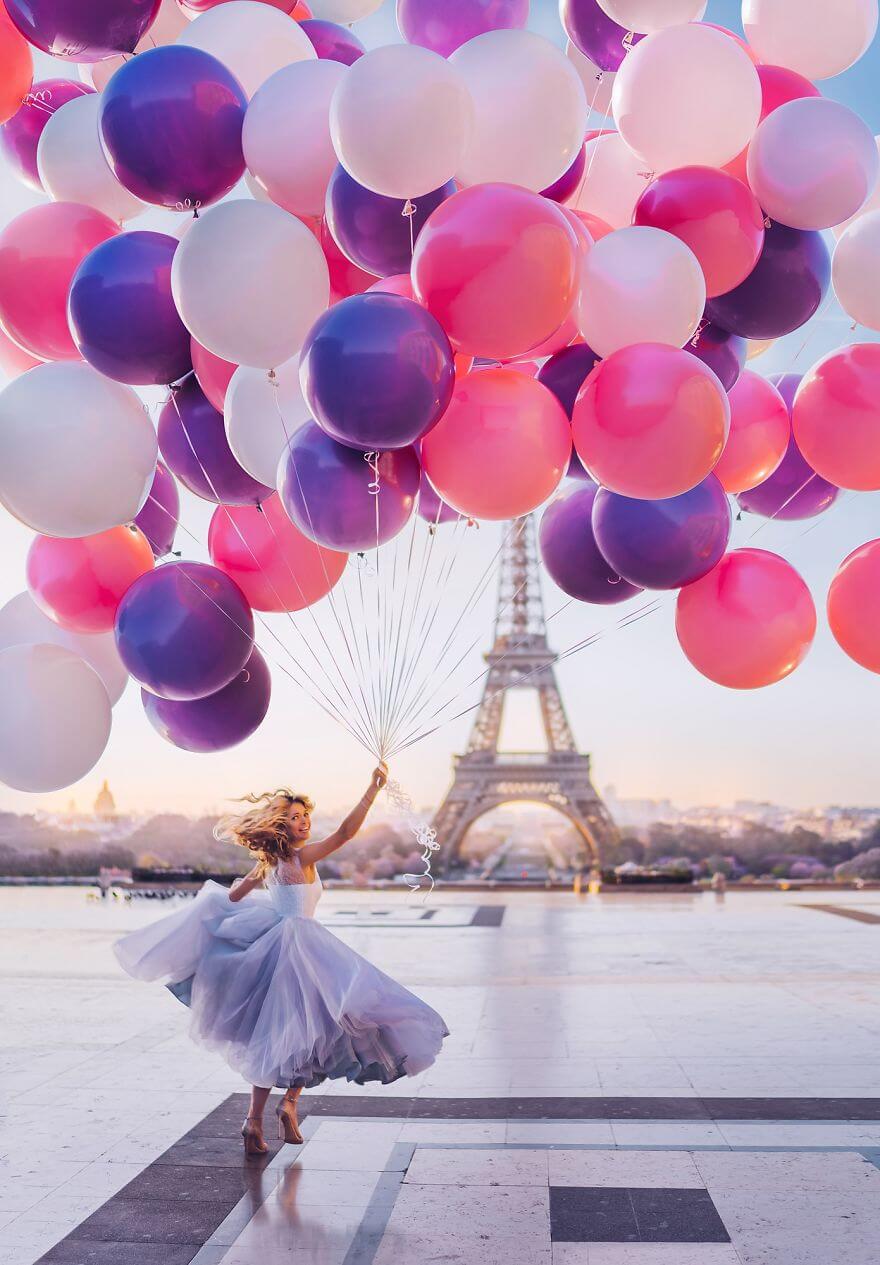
(436, 290)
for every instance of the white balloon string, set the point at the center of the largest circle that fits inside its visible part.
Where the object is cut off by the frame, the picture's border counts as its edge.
(409, 210)
(424, 832)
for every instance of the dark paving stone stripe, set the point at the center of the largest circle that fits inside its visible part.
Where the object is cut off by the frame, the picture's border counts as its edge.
(488, 916)
(71, 1252)
(844, 911)
(594, 1214)
(126, 1220)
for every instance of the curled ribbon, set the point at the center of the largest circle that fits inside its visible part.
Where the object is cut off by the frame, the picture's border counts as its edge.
(426, 836)
(372, 460)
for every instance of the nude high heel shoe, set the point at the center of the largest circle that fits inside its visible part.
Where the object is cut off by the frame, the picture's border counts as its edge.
(288, 1125)
(252, 1135)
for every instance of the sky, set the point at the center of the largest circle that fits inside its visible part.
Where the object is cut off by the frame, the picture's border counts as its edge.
(654, 727)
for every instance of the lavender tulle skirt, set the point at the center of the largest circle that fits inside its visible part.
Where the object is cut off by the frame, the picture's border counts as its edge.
(283, 1000)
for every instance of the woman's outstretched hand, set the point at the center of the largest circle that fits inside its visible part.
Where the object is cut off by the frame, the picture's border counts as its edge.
(380, 775)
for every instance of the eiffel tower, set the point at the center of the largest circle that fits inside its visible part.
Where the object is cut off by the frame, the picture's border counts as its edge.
(485, 777)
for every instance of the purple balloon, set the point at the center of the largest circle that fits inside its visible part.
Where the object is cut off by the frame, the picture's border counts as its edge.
(565, 373)
(565, 186)
(371, 230)
(725, 354)
(663, 544)
(377, 371)
(184, 630)
(431, 508)
(576, 468)
(20, 135)
(595, 34)
(570, 553)
(445, 26)
(171, 122)
(83, 30)
(794, 490)
(219, 721)
(161, 512)
(327, 491)
(333, 42)
(192, 438)
(782, 291)
(121, 313)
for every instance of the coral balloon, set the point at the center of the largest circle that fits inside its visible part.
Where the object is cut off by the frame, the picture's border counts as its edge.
(687, 95)
(159, 518)
(854, 605)
(252, 40)
(72, 165)
(213, 373)
(16, 68)
(570, 553)
(501, 448)
(371, 230)
(79, 583)
(715, 215)
(193, 442)
(650, 421)
(759, 433)
(646, 16)
(724, 353)
(261, 415)
(333, 42)
(83, 32)
(817, 39)
(640, 285)
(855, 270)
(498, 267)
(667, 543)
(836, 417)
(20, 135)
(221, 720)
(615, 180)
(22, 623)
(272, 562)
(40, 250)
(443, 28)
(565, 373)
(749, 622)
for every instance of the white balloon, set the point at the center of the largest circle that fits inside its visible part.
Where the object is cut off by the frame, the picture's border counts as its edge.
(640, 285)
(872, 204)
(530, 109)
(22, 623)
(614, 180)
(343, 11)
(253, 40)
(286, 135)
(855, 271)
(72, 164)
(817, 38)
(261, 416)
(598, 84)
(77, 450)
(249, 282)
(687, 95)
(643, 16)
(169, 23)
(401, 120)
(55, 720)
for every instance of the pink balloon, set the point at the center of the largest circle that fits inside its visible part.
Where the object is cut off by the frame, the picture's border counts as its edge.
(749, 622)
(854, 605)
(836, 417)
(14, 359)
(213, 373)
(399, 283)
(778, 86)
(40, 250)
(80, 582)
(650, 421)
(759, 433)
(272, 562)
(501, 448)
(346, 278)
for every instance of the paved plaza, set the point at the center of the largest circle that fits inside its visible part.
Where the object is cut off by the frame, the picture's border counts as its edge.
(674, 1079)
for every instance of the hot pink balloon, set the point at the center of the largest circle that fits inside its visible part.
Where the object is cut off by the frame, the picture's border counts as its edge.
(80, 582)
(854, 605)
(650, 421)
(759, 433)
(836, 417)
(213, 373)
(501, 448)
(749, 622)
(40, 250)
(14, 359)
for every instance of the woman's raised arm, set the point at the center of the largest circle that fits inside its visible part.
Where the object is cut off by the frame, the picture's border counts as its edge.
(312, 852)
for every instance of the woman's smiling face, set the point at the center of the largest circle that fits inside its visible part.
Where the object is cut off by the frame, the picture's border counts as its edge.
(300, 822)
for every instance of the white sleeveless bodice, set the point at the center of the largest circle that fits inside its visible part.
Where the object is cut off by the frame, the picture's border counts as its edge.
(291, 895)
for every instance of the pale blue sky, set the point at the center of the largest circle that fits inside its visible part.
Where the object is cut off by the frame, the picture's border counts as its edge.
(654, 726)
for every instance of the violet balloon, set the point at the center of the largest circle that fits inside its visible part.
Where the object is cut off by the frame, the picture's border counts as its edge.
(724, 353)
(328, 491)
(171, 121)
(192, 439)
(184, 630)
(784, 289)
(333, 42)
(446, 26)
(160, 515)
(83, 30)
(220, 720)
(565, 373)
(377, 371)
(373, 231)
(663, 544)
(20, 135)
(568, 182)
(121, 313)
(570, 553)
(592, 31)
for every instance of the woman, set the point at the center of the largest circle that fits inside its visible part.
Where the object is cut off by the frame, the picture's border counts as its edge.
(279, 996)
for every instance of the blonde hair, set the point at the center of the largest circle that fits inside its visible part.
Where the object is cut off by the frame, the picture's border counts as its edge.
(265, 828)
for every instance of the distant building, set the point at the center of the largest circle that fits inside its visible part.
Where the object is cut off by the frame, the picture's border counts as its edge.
(105, 804)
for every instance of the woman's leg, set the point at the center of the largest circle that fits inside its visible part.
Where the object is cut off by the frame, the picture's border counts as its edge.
(259, 1098)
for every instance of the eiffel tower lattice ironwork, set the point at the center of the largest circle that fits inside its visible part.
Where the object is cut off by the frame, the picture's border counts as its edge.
(485, 777)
